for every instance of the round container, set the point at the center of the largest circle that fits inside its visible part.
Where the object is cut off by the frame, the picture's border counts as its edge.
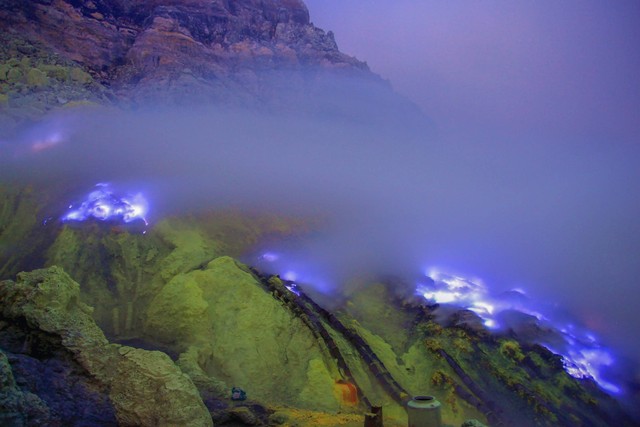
(424, 411)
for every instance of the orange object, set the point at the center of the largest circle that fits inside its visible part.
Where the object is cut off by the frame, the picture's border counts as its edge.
(348, 392)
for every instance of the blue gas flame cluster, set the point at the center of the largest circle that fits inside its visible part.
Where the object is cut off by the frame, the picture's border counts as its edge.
(105, 205)
(582, 355)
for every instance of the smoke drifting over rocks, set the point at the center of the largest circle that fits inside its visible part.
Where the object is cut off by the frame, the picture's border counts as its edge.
(554, 215)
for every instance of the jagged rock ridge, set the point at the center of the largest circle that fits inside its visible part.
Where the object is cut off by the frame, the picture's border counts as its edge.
(168, 49)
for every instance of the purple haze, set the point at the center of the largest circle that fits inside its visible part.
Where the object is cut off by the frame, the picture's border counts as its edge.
(532, 180)
(539, 102)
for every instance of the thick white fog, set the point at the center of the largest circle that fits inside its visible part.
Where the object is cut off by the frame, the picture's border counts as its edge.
(538, 105)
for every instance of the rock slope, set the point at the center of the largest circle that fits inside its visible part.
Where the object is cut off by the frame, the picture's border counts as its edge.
(177, 289)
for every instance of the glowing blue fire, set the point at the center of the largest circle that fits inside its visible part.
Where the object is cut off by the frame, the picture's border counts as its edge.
(583, 357)
(103, 204)
(474, 296)
(293, 287)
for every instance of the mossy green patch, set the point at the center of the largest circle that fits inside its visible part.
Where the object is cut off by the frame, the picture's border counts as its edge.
(57, 72)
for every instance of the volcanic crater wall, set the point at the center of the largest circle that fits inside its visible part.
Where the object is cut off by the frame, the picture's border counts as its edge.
(191, 51)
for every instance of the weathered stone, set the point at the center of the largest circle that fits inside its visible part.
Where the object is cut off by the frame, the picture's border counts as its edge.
(145, 388)
(244, 414)
(472, 423)
(18, 408)
(146, 384)
(36, 78)
(141, 45)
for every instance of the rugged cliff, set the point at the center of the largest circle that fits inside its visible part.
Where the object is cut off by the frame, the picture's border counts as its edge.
(249, 52)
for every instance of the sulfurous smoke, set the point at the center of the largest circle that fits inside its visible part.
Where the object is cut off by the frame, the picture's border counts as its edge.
(556, 215)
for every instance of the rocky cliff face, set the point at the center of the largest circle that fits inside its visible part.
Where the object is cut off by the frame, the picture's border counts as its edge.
(165, 50)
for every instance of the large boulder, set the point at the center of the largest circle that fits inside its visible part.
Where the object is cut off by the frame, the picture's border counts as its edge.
(230, 328)
(142, 387)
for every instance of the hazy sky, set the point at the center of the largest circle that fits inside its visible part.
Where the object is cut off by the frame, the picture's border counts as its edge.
(553, 66)
(539, 103)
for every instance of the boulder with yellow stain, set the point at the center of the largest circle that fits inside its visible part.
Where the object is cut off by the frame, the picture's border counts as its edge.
(240, 335)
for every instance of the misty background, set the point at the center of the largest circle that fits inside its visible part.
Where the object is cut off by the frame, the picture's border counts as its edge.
(539, 105)
(523, 171)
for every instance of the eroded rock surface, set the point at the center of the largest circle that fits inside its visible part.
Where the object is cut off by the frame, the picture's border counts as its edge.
(192, 50)
(229, 328)
(45, 328)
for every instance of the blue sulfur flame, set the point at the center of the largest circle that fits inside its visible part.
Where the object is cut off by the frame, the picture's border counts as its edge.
(582, 355)
(103, 204)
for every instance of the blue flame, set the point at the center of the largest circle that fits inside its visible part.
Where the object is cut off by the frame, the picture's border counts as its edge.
(582, 355)
(103, 204)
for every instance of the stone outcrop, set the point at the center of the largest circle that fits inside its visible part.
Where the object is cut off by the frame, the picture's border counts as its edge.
(45, 328)
(182, 51)
(229, 328)
(18, 407)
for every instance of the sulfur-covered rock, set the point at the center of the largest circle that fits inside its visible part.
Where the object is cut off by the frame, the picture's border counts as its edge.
(14, 75)
(176, 314)
(147, 381)
(144, 388)
(37, 78)
(78, 75)
(240, 335)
